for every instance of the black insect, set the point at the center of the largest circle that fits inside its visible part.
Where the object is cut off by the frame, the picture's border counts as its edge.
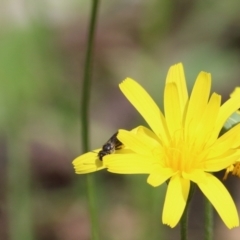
(110, 146)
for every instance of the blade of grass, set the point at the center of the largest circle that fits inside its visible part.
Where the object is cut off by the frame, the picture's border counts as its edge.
(85, 116)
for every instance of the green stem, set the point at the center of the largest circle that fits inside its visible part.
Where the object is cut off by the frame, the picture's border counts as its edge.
(85, 116)
(184, 224)
(92, 207)
(87, 78)
(184, 219)
(208, 223)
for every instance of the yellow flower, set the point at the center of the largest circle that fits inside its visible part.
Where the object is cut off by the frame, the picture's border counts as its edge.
(184, 144)
(234, 169)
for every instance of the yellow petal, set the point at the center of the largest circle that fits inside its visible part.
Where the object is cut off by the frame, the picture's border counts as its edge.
(203, 131)
(159, 175)
(145, 105)
(141, 131)
(88, 162)
(176, 75)
(196, 176)
(230, 139)
(229, 107)
(198, 100)
(218, 195)
(128, 163)
(235, 92)
(175, 201)
(222, 161)
(139, 143)
(172, 109)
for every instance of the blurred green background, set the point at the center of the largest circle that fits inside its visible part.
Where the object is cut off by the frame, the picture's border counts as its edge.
(42, 51)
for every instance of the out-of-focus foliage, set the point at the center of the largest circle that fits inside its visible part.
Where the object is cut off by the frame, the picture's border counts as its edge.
(42, 50)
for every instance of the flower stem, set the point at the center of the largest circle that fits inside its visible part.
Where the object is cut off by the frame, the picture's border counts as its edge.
(184, 219)
(184, 224)
(85, 115)
(208, 221)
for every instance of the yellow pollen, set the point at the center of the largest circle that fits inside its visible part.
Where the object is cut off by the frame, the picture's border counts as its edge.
(234, 169)
(179, 156)
(182, 152)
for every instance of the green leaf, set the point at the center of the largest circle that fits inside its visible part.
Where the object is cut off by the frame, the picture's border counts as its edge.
(232, 121)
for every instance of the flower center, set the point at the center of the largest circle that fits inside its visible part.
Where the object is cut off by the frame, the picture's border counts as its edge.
(181, 154)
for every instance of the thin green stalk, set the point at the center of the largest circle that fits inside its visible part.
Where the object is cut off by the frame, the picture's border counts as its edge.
(85, 115)
(208, 223)
(184, 224)
(184, 218)
(87, 77)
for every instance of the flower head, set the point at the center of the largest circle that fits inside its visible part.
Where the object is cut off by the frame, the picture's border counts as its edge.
(183, 144)
(233, 120)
